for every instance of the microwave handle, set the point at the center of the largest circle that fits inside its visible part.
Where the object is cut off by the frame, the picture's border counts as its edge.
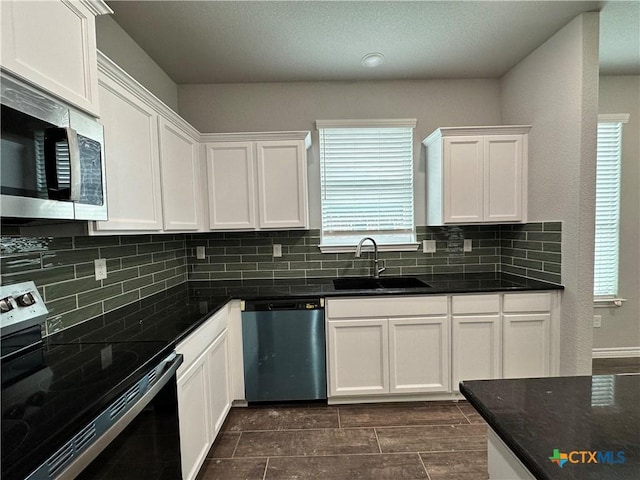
(74, 165)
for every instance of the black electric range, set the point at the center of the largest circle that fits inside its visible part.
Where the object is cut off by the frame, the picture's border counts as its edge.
(53, 387)
(68, 386)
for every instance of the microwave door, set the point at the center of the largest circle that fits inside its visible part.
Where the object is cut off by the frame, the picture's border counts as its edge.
(93, 194)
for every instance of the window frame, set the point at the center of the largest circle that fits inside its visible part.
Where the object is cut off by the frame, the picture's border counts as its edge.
(611, 300)
(371, 123)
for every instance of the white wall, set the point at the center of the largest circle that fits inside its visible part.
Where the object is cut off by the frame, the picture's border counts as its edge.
(556, 89)
(296, 106)
(116, 44)
(621, 326)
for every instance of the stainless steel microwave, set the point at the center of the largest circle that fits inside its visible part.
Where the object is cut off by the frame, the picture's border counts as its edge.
(52, 158)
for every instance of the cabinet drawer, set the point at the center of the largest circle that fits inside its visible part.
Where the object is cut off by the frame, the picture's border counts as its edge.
(197, 342)
(472, 304)
(527, 302)
(367, 307)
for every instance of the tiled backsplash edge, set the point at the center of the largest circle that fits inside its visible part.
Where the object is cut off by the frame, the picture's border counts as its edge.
(63, 270)
(532, 250)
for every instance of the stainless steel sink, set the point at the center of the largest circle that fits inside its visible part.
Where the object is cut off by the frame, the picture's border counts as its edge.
(370, 283)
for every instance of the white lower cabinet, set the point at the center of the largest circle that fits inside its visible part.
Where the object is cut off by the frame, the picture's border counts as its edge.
(419, 355)
(527, 335)
(204, 397)
(387, 345)
(194, 415)
(476, 335)
(219, 381)
(413, 346)
(358, 357)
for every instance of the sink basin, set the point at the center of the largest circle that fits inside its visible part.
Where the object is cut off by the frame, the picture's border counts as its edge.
(370, 283)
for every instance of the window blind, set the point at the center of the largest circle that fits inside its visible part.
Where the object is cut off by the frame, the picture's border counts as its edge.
(367, 184)
(607, 209)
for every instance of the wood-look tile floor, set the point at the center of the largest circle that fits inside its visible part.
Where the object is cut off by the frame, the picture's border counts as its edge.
(418, 440)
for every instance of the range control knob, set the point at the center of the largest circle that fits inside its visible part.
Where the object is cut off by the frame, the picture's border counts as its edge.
(6, 305)
(26, 299)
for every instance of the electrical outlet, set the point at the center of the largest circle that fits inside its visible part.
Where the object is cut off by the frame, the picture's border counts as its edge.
(468, 245)
(428, 246)
(101, 268)
(200, 254)
(597, 321)
(277, 250)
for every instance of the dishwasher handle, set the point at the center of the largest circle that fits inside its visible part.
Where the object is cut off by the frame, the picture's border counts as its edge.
(280, 304)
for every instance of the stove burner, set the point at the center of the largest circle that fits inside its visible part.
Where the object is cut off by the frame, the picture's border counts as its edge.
(14, 433)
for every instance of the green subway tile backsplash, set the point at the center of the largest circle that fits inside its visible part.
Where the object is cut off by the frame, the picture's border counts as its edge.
(63, 270)
(141, 265)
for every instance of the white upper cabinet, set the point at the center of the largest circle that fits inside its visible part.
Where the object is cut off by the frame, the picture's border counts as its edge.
(477, 175)
(257, 181)
(152, 159)
(282, 184)
(179, 168)
(52, 45)
(231, 183)
(132, 160)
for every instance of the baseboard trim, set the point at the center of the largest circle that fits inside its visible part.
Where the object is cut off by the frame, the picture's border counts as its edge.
(618, 352)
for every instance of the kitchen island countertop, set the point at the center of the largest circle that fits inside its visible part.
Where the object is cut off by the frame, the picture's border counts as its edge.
(547, 422)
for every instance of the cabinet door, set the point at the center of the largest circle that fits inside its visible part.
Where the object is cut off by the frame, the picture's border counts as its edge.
(526, 345)
(476, 348)
(219, 381)
(53, 45)
(419, 355)
(194, 417)
(179, 169)
(282, 184)
(463, 179)
(230, 172)
(131, 159)
(358, 357)
(503, 178)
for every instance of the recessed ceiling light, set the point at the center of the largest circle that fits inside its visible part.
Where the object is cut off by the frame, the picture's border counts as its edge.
(372, 60)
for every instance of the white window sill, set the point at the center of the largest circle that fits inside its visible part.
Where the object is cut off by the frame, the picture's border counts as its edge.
(607, 302)
(396, 247)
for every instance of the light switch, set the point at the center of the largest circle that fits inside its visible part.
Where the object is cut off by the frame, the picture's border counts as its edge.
(467, 246)
(200, 253)
(277, 250)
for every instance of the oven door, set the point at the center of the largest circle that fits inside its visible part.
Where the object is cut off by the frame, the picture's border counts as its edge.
(74, 460)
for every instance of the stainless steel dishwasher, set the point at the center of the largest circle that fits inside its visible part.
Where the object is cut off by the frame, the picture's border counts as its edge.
(284, 350)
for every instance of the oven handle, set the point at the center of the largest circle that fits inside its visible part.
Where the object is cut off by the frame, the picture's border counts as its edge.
(171, 364)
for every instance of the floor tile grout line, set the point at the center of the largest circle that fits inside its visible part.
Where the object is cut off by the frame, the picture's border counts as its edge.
(375, 432)
(236, 446)
(464, 415)
(339, 422)
(424, 466)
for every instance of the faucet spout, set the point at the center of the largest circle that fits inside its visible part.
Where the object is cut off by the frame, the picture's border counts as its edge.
(376, 270)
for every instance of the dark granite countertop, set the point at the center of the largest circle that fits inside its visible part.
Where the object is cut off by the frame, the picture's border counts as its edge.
(535, 416)
(323, 287)
(148, 329)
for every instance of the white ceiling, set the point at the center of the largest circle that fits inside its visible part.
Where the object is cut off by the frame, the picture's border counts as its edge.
(280, 41)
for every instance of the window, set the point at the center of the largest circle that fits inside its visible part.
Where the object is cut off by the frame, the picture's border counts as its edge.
(366, 176)
(608, 205)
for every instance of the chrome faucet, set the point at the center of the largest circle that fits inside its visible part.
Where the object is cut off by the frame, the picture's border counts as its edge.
(376, 271)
